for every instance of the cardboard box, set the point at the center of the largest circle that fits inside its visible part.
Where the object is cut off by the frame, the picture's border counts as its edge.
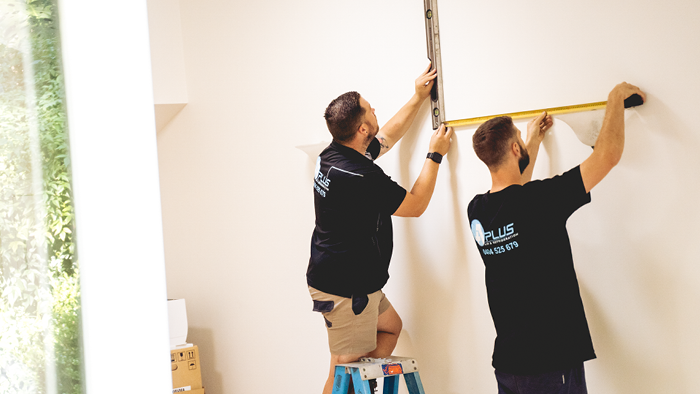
(187, 373)
(177, 322)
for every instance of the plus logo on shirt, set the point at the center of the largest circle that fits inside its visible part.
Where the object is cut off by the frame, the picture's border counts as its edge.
(321, 182)
(487, 238)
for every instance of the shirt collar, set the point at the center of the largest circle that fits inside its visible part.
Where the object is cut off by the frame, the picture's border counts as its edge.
(346, 149)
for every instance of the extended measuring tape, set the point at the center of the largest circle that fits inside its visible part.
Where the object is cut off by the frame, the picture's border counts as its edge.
(529, 114)
(632, 101)
(432, 32)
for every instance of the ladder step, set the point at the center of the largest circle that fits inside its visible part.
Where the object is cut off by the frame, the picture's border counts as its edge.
(369, 369)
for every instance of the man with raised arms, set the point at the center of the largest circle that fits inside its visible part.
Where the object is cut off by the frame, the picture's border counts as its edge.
(352, 241)
(542, 336)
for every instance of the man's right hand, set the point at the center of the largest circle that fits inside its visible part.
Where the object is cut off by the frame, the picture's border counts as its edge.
(441, 140)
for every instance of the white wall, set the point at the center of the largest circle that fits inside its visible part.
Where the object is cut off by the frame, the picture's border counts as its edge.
(167, 60)
(238, 209)
(167, 53)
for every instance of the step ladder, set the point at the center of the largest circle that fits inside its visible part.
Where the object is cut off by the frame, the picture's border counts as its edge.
(370, 369)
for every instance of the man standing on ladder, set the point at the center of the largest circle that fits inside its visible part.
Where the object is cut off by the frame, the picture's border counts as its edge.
(520, 230)
(352, 242)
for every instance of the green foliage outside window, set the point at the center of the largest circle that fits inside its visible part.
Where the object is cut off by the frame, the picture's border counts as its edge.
(39, 286)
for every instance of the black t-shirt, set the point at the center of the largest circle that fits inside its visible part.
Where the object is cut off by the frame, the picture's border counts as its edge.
(532, 288)
(352, 242)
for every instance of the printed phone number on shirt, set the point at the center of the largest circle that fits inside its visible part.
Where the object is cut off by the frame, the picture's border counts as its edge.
(501, 249)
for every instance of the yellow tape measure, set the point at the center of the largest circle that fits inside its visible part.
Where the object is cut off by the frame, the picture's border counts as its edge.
(529, 114)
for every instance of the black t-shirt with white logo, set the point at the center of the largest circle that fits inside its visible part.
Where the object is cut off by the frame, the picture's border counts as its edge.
(352, 242)
(532, 288)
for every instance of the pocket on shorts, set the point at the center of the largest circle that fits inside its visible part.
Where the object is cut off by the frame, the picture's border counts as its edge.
(359, 303)
(323, 306)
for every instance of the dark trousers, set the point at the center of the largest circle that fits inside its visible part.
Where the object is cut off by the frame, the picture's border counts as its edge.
(567, 381)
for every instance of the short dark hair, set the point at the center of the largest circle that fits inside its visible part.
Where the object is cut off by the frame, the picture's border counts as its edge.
(492, 139)
(344, 115)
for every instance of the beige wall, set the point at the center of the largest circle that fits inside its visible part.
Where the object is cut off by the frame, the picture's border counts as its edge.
(238, 210)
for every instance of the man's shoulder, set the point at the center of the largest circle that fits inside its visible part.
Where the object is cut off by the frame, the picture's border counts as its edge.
(571, 176)
(349, 161)
(475, 200)
(477, 203)
(338, 164)
(510, 199)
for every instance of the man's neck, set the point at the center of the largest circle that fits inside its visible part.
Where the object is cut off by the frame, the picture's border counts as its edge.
(357, 145)
(504, 177)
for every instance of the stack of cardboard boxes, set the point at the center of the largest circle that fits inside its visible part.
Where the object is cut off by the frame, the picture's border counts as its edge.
(184, 357)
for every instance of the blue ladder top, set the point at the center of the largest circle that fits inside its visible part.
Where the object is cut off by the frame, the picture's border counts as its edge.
(370, 369)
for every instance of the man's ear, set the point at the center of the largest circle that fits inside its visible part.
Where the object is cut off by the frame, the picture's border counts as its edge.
(363, 129)
(515, 147)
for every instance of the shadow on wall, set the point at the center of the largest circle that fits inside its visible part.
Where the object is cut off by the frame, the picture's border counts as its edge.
(433, 304)
(631, 257)
(204, 339)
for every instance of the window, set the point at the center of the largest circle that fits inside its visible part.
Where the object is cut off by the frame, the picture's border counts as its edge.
(39, 287)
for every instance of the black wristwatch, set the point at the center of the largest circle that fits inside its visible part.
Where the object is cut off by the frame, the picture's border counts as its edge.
(434, 156)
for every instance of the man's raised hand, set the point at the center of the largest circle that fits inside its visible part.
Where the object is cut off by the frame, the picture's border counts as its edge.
(538, 126)
(424, 83)
(624, 90)
(441, 140)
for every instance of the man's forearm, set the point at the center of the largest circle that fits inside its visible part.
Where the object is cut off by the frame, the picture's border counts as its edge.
(611, 140)
(417, 200)
(397, 126)
(422, 191)
(425, 183)
(536, 129)
(533, 149)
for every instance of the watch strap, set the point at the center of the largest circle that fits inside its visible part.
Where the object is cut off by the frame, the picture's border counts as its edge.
(434, 156)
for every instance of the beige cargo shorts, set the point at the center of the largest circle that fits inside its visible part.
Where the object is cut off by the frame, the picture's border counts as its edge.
(350, 333)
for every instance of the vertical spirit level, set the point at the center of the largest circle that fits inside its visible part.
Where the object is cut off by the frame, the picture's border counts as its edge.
(432, 32)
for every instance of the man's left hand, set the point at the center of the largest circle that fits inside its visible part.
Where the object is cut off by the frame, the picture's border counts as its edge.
(424, 83)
